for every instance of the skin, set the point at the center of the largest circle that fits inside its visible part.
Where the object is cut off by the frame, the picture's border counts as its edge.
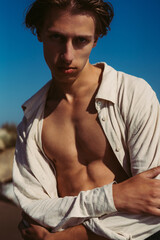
(36, 232)
(68, 41)
(81, 153)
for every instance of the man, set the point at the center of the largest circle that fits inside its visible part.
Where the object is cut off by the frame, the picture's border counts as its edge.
(85, 130)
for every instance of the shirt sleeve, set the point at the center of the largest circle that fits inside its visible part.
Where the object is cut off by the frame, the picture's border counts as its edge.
(143, 125)
(141, 113)
(36, 190)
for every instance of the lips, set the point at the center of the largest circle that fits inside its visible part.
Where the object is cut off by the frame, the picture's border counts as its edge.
(67, 70)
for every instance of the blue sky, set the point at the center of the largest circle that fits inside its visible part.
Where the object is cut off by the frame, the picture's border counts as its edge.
(132, 46)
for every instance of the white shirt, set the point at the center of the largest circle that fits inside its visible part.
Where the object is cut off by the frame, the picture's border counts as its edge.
(129, 113)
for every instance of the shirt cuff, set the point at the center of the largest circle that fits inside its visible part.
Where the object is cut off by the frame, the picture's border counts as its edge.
(109, 202)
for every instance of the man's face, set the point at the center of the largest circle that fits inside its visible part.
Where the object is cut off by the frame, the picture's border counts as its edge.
(67, 41)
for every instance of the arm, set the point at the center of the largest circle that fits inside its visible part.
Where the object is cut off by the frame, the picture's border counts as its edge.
(143, 190)
(142, 122)
(40, 203)
(36, 190)
(37, 232)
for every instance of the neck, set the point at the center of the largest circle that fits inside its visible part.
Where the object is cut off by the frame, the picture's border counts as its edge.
(86, 82)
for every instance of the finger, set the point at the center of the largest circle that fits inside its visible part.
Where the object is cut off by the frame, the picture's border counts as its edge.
(22, 232)
(151, 173)
(26, 234)
(154, 211)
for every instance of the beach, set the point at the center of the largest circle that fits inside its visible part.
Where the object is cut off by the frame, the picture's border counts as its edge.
(10, 217)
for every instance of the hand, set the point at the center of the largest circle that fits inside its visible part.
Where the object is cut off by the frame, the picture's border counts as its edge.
(33, 231)
(36, 232)
(139, 194)
(77, 232)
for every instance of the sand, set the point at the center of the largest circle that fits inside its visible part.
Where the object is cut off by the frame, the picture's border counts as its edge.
(6, 162)
(10, 217)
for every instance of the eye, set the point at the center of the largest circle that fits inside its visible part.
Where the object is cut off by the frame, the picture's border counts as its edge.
(82, 40)
(57, 37)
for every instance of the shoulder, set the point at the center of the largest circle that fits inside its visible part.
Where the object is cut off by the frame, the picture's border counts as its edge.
(31, 106)
(131, 85)
(117, 86)
(133, 91)
(136, 100)
(132, 95)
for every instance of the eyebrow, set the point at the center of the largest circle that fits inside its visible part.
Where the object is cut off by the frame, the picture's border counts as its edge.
(62, 34)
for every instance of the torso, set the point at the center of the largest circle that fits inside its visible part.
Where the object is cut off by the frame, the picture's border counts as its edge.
(73, 139)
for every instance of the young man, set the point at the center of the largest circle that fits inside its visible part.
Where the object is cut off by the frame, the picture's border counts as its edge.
(86, 129)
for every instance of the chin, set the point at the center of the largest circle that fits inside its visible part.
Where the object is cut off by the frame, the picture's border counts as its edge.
(60, 77)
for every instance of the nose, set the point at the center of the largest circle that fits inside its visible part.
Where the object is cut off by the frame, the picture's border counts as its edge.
(67, 54)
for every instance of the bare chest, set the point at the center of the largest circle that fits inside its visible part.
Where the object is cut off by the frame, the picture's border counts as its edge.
(74, 134)
(75, 142)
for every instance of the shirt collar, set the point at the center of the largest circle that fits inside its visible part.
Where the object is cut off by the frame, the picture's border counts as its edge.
(33, 103)
(108, 87)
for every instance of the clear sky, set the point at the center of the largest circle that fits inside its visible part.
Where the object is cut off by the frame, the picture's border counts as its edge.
(132, 46)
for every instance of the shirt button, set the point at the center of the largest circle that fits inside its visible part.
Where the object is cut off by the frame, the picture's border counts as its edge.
(99, 103)
(103, 119)
(118, 148)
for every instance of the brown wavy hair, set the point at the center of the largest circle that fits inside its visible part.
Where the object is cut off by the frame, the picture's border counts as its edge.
(102, 12)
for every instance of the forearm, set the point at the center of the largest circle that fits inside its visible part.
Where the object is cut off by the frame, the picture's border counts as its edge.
(36, 190)
(62, 213)
(37, 232)
(74, 233)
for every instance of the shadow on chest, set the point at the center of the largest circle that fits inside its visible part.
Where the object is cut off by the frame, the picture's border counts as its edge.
(75, 135)
(78, 130)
